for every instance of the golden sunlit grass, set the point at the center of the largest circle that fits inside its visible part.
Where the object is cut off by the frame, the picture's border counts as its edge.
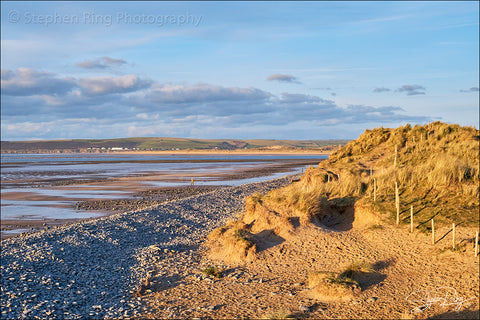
(355, 268)
(435, 166)
(436, 169)
(343, 286)
(329, 286)
(231, 243)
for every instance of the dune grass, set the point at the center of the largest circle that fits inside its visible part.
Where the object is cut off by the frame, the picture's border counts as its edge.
(435, 166)
(436, 169)
(353, 269)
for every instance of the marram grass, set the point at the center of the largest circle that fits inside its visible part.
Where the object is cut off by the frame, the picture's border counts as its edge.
(437, 172)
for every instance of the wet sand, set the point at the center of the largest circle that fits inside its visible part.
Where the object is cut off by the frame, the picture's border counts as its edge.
(137, 194)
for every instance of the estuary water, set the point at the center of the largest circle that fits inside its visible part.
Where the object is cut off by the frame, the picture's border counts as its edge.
(47, 186)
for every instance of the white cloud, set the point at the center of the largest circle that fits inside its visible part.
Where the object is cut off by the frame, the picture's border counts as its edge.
(202, 92)
(130, 106)
(111, 85)
(27, 82)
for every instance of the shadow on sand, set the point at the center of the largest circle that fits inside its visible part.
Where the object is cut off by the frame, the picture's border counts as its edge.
(462, 314)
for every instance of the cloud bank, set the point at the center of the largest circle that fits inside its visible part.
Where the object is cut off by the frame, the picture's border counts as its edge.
(40, 104)
(28, 82)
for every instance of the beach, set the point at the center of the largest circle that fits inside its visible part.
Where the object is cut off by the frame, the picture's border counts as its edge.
(96, 268)
(146, 253)
(92, 269)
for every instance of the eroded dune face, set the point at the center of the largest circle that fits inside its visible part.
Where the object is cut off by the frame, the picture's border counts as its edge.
(265, 224)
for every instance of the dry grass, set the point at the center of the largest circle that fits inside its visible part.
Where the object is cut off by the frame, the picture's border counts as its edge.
(212, 271)
(343, 286)
(232, 243)
(329, 286)
(437, 171)
(356, 268)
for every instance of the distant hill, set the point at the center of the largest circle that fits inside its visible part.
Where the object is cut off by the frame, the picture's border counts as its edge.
(147, 144)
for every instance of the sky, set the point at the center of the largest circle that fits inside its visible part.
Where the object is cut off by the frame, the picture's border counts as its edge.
(235, 70)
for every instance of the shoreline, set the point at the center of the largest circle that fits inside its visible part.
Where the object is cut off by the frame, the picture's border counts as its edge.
(200, 152)
(229, 152)
(113, 252)
(94, 269)
(138, 194)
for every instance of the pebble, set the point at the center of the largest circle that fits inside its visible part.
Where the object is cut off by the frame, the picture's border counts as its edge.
(303, 308)
(90, 269)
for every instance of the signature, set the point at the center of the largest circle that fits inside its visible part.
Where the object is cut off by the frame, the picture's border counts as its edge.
(443, 296)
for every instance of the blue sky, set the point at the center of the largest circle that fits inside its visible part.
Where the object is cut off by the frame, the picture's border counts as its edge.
(277, 70)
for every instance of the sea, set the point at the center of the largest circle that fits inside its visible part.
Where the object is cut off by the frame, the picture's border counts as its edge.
(47, 186)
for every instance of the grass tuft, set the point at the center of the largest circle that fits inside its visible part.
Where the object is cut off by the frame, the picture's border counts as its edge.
(355, 268)
(213, 272)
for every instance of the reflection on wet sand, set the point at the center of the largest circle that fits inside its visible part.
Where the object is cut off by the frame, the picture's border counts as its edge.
(44, 200)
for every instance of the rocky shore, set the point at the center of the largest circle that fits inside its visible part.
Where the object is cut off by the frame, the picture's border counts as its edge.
(92, 269)
(150, 197)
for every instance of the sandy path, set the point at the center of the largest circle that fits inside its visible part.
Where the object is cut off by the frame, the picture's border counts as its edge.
(276, 281)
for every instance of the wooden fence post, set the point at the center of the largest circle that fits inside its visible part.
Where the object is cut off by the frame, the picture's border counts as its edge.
(397, 202)
(411, 219)
(375, 189)
(433, 232)
(395, 161)
(476, 243)
(453, 236)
